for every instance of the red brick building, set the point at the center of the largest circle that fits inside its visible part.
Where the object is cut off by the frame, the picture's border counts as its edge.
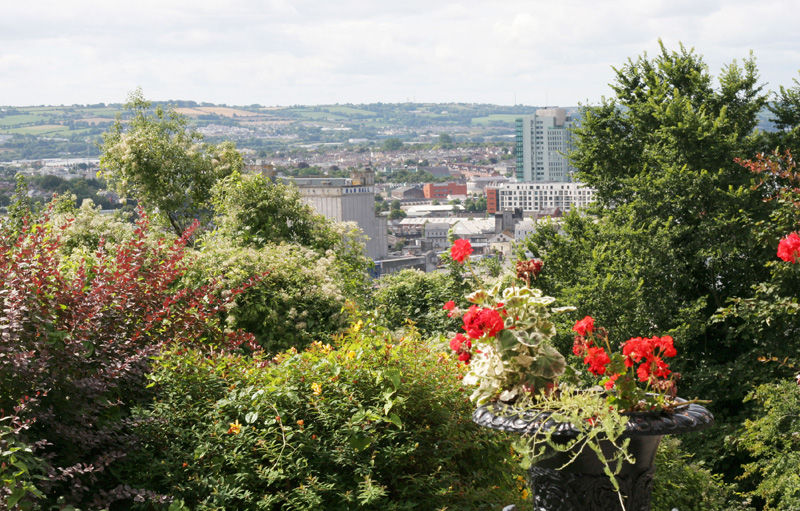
(442, 190)
(491, 200)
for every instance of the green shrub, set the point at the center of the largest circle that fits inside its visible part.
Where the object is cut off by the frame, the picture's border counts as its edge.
(773, 440)
(85, 227)
(375, 423)
(297, 301)
(20, 468)
(253, 211)
(687, 485)
(418, 296)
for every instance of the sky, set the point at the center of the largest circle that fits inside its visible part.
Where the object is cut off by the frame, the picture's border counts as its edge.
(303, 52)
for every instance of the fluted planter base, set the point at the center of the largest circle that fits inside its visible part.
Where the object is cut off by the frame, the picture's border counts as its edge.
(582, 485)
(566, 490)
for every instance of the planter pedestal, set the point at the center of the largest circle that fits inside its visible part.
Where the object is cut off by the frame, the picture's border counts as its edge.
(582, 485)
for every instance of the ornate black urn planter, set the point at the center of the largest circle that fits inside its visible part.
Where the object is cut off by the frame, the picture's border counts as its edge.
(582, 485)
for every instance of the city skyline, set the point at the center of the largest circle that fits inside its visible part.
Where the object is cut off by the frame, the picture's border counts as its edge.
(284, 52)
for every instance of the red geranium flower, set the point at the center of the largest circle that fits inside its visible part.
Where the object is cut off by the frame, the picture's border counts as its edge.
(449, 305)
(459, 341)
(643, 372)
(471, 322)
(789, 248)
(662, 368)
(611, 381)
(597, 359)
(480, 321)
(666, 345)
(460, 250)
(634, 349)
(491, 321)
(584, 326)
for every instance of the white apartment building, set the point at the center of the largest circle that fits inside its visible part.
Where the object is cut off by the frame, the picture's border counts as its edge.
(543, 141)
(534, 197)
(348, 200)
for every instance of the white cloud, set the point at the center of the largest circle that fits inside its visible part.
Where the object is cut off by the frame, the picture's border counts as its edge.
(312, 51)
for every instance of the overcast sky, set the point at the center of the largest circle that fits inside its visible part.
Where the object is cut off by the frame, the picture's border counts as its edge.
(287, 52)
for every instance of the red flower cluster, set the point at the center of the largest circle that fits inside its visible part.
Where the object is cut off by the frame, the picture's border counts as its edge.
(584, 326)
(480, 320)
(460, 250)
(597, 359)
(649, 351)
(462, 346)
(789, 248)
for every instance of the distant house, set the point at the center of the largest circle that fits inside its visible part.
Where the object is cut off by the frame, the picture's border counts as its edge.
(501, 243)
(477, 231)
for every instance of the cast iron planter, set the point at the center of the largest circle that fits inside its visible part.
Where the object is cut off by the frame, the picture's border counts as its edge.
(582, 485)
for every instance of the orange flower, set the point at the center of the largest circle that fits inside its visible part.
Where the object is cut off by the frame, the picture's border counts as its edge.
(235, 428)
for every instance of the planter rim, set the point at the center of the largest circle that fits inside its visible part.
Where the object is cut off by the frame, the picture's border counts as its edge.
(685, 418)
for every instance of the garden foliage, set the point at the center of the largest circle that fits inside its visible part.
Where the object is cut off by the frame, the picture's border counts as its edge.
(372, 422)
(772, 438)
(254, 212)
(416, 296)
(298, 299)
(681, 482)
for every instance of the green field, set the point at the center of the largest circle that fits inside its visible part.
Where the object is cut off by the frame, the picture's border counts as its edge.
(17, 120)
(494, 118)
(317, 116)
(349, 110)
(45, 129)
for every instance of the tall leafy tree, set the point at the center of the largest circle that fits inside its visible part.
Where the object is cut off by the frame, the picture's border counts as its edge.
(676, 229)
(155, 158)
(786, 112)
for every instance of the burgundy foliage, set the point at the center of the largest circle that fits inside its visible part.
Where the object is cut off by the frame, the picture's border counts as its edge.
(75, 348)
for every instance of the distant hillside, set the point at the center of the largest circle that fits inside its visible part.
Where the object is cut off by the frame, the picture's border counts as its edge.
(75, 131)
